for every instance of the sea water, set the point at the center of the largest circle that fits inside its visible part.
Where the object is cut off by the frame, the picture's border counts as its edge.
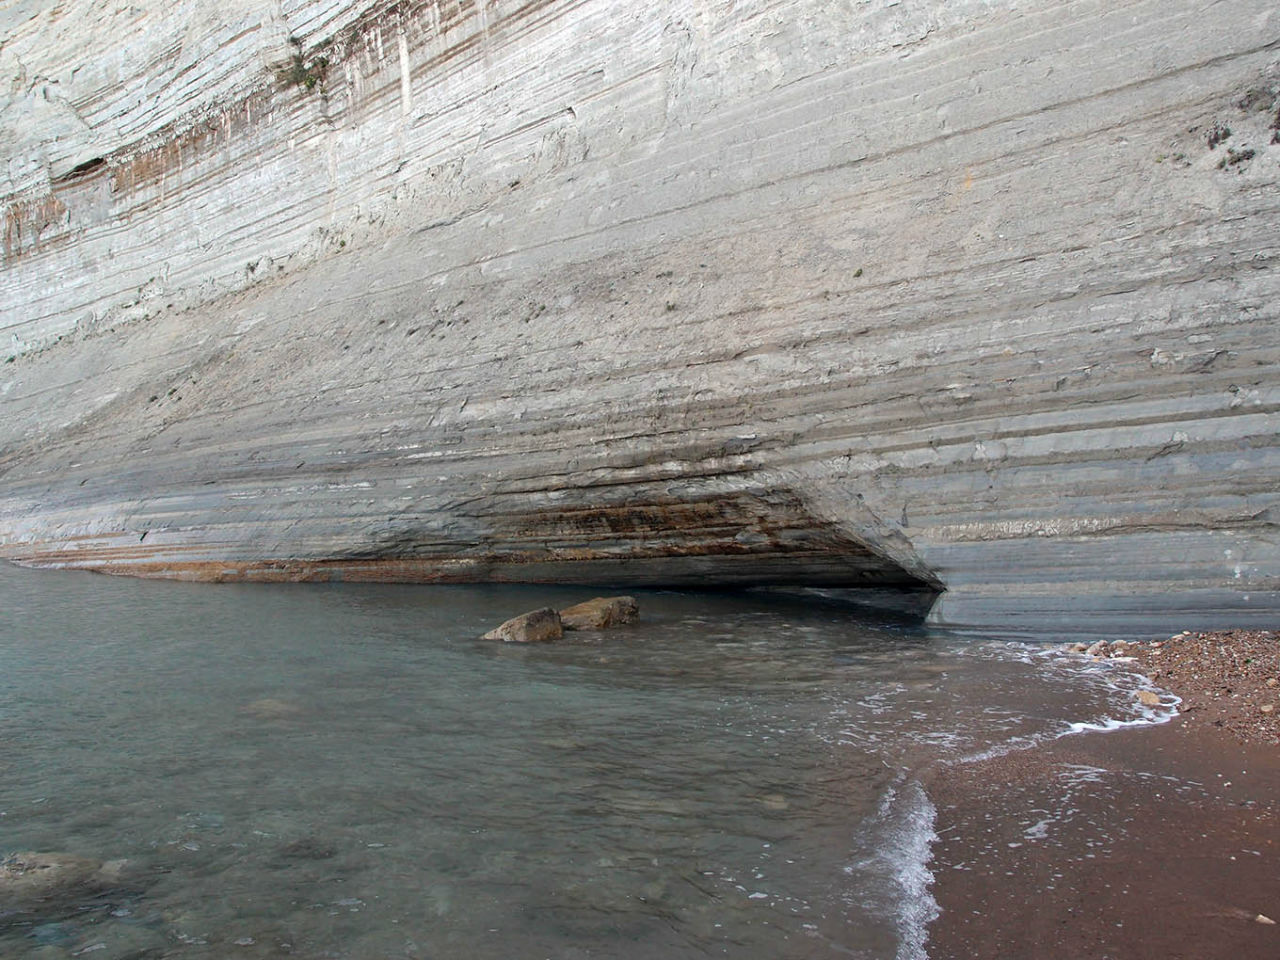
(347, 771)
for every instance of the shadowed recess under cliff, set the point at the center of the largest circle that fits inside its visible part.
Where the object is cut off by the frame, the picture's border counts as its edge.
(737, 539)
(733, 539)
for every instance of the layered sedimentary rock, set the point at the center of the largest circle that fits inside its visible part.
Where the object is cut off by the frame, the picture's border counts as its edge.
(971, 295)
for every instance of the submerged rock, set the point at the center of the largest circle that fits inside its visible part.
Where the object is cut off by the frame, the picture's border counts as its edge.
(536, 626)
(271, 708)
(306, 848)
(34, 876)
(54, 934)
(600, 613)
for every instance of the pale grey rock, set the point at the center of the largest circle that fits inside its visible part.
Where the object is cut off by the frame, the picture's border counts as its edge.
(32, 876)
(537, 626)
(600, 613)
(853, 294)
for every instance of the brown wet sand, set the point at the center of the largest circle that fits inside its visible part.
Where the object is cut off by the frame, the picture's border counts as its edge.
(1159, 842)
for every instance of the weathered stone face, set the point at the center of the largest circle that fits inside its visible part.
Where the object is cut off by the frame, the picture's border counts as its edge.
(854, 294)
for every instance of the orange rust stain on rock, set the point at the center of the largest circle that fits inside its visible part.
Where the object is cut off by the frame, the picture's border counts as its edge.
(450, 31)
(728, 523)
(27, 223)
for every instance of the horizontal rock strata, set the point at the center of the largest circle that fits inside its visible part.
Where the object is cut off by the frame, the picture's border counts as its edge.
(969, 295)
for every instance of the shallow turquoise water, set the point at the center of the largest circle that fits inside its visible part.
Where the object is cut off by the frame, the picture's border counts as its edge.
(346, 772)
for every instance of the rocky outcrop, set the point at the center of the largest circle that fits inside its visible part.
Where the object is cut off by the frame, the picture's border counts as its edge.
(974, 295)
(537, 626)
(600, 613)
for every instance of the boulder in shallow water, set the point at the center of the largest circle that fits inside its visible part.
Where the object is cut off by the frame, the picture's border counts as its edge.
(600, 613)
(270, 708)
(34, 876)
(536, 626)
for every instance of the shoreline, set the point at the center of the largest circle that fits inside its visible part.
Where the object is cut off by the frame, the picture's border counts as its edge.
(1149, 841)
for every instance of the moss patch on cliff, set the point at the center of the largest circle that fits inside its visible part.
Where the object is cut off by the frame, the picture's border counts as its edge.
(303, 71)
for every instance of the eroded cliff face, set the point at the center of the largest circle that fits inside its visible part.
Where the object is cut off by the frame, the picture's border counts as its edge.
(979, 295)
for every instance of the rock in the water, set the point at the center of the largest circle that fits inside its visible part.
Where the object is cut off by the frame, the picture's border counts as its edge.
(599, 613)
(1149, 698)
(1100, 649)
(270, 708)
(306, 848)
(53, 934)
(536, 626)
(30, 876)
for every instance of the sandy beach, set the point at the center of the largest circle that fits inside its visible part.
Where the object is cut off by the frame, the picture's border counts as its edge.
(1144, 842)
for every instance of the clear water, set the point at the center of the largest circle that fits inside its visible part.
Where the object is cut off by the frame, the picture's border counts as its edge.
(346, 772)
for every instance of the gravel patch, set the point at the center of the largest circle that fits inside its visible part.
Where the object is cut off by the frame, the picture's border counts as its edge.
(1227, 678)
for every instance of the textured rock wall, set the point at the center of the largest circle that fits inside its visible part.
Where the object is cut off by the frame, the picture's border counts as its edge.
(864, 293)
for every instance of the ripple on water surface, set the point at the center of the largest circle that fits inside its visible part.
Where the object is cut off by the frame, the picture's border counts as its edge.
(345, 771)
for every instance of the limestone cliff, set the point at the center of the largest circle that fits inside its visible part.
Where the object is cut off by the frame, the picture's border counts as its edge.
(978, 294)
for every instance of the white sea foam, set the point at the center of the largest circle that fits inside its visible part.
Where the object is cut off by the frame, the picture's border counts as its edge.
(920, 723)
(901, 839)
(917, 907)
(1123, 684)
(1039, 830)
